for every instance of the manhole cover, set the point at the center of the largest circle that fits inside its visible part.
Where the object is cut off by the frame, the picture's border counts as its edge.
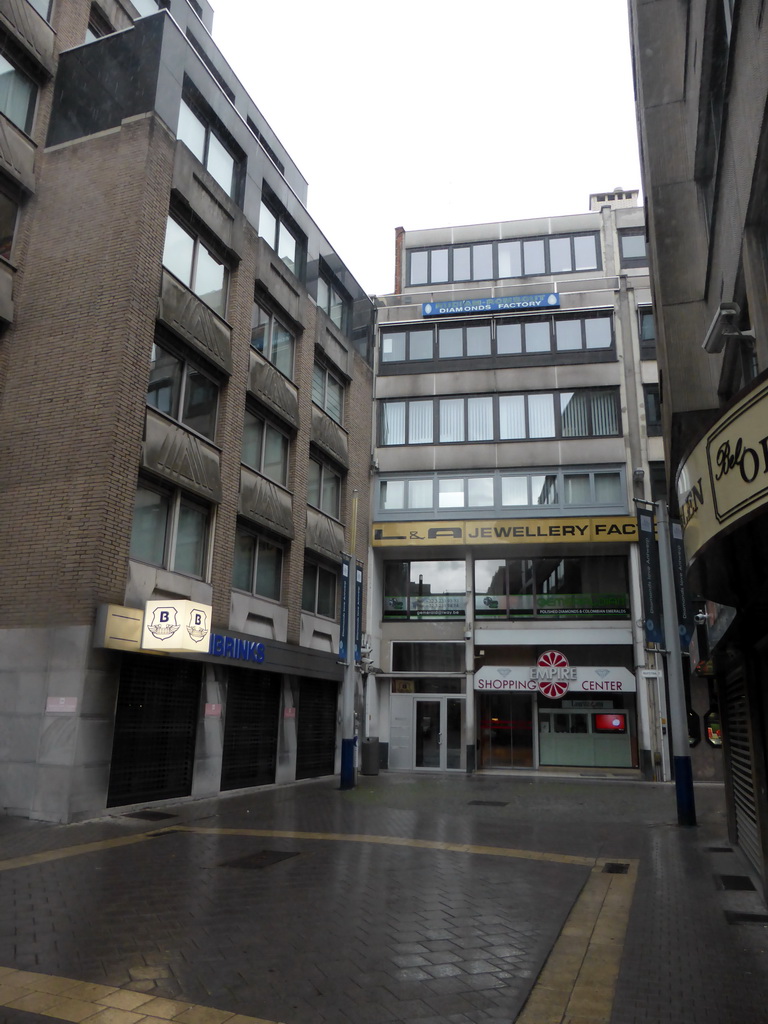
(488, 803)
(734, 883)
(262, 859)
(150, 815)
(612, 868)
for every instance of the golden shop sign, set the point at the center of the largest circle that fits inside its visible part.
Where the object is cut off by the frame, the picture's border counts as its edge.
(582, 530)
(726, 475)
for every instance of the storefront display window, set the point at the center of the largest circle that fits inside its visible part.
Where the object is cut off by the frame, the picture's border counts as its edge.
(561, 588)
(424, 590)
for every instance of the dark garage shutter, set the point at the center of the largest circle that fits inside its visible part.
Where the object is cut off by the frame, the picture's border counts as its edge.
(158, 705)
(742, 778)
(250, 730)
(316, 728)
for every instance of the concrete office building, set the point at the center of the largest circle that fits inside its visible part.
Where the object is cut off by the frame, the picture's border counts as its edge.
(701, 76)
(516, 421)
(185, 381)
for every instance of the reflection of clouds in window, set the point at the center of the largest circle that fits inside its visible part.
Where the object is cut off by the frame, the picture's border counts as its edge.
(439, 577)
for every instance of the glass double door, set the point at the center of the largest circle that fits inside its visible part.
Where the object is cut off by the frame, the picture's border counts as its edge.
(440, 733)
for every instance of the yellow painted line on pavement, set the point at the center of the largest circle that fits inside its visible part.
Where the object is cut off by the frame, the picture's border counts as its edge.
(577, 984)
(73, 851)
(419, 844)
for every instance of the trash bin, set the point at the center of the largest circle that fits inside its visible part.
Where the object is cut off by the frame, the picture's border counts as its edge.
(369, 756)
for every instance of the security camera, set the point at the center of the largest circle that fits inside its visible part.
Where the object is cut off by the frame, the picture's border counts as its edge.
(722, 327)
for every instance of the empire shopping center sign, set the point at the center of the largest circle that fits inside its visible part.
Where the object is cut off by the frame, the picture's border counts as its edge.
(553, 676)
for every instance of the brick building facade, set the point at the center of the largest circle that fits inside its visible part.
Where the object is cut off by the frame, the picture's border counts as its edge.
(185, 381)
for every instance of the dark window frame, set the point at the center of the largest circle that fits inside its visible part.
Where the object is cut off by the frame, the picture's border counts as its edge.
(268, 424)
(177, 500)
(259, 538)
(315, 573)
(188, 366)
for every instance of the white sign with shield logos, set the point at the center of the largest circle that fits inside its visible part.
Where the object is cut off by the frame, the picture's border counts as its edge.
(177, 627)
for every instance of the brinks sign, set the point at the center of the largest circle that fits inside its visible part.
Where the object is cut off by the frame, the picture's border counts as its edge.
(234, 649)
(548, 300)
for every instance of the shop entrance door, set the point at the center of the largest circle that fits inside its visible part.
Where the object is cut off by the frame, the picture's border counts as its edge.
(440, 733)
(506, 730)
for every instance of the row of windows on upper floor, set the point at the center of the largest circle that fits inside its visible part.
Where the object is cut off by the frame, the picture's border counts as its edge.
(572, 490)
(173, 530)
(540, 415)
(504, 337)
(520, 257)
(553, 586)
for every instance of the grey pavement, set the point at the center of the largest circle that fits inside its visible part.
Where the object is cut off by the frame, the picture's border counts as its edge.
(309, 930)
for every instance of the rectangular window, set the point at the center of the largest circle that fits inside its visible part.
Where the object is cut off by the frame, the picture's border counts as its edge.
(324, 488)
(265, 448)
(207, 143)
(318, 592)
(183, 392)
(18, 94)
(43, 7)
(552, 587)
(196, 266)
(279, 232)
(647, 334)
(425, 590)
(632, 248)
(328, 392)
(257, 566)
(333, 300)
(652, 409)
(273, 339)
(9, 212)
(170, 530)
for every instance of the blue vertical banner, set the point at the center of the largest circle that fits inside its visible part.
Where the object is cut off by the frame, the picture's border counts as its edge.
(650, 577)
(358, 611)
(344, 623)
(682, 597)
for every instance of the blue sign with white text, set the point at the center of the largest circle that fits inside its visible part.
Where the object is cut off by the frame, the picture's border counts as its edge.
(549, 300)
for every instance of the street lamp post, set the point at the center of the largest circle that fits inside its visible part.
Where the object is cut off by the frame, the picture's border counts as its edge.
(347, 776)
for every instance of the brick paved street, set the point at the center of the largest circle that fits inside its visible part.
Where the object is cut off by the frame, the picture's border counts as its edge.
(409, 898)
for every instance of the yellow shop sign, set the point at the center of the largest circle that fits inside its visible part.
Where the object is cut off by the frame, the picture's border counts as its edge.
(580, 530)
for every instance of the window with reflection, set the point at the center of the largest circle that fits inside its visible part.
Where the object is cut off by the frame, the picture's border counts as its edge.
(170, 530)
(324, 488)
(196, 265)
(530, 335)
(551, 587)
(18, 95)
(521, 493)
(265, 447)
(201, 134)
(272, 339)
(258, 564)
(332, 298)
(425, 590)
(328, 392)
(539, 415)
(319, 589)
(278, 230)
(182, 391)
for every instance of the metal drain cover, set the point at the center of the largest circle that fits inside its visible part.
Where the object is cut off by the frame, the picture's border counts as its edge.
(735, 883)
(150, 815)
(612, 868)
(740, 917)
(262, 859)
(488, 803)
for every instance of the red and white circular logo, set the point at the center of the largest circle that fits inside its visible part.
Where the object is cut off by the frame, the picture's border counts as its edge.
(550, 682)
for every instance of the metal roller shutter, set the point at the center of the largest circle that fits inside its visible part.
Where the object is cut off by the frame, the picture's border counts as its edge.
(158, 706)
(742, 778)
(250, 730)
(316, 728)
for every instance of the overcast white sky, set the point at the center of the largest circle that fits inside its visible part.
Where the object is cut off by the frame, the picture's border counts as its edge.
(428, 113)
